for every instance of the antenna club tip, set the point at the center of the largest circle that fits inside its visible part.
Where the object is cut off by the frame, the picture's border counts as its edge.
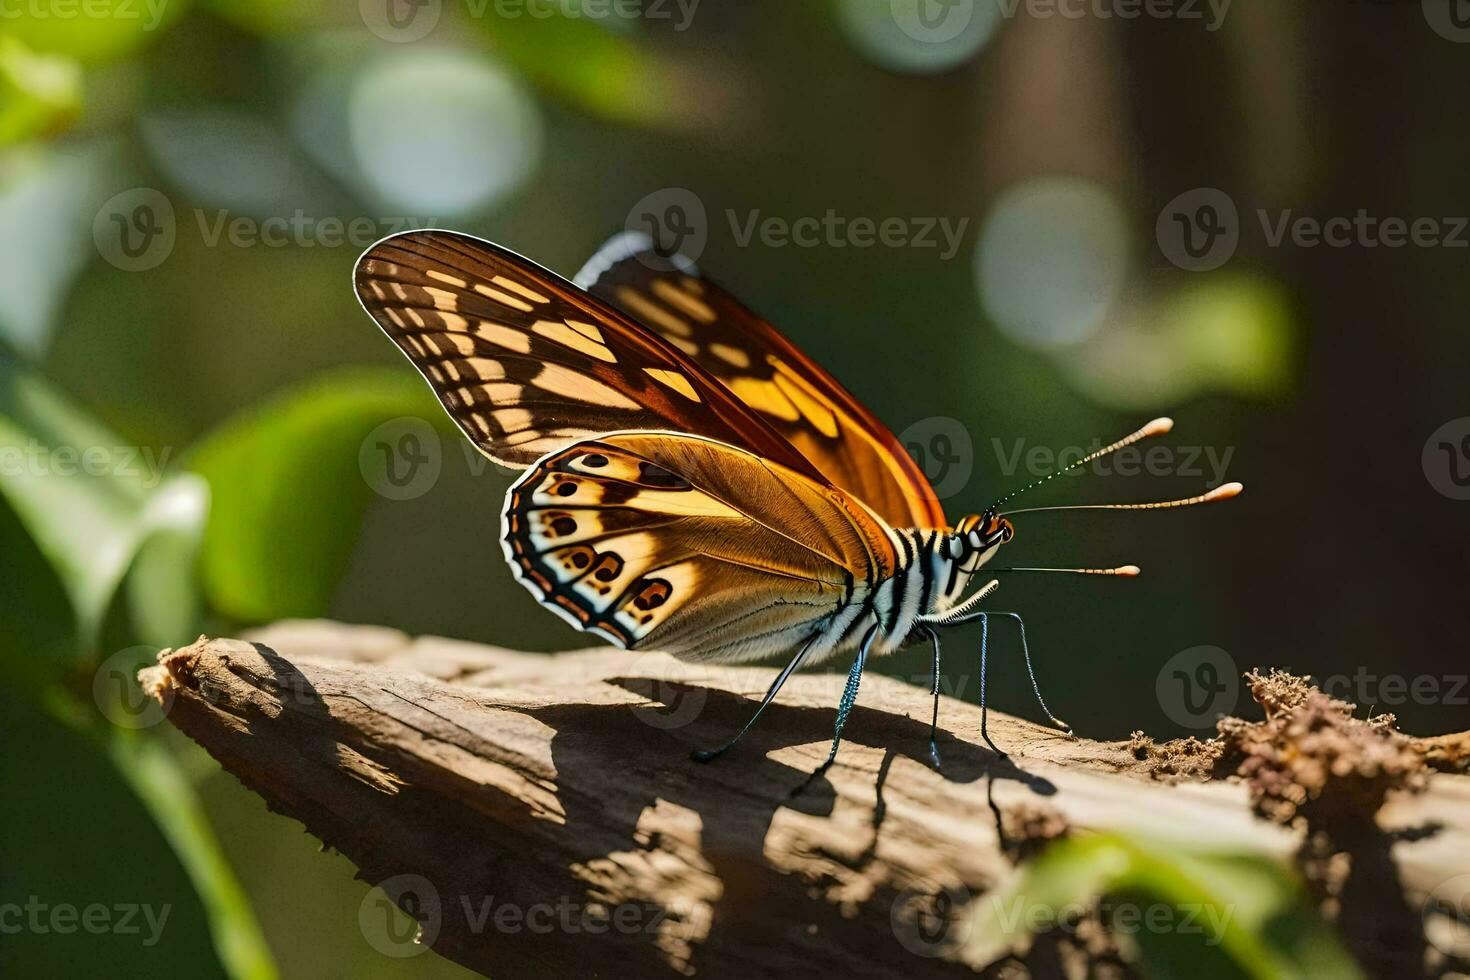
(1129, 570)
(1158, 426)
(1225, 491)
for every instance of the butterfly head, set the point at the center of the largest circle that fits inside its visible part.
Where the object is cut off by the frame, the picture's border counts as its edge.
(973, 541)
(980, 534)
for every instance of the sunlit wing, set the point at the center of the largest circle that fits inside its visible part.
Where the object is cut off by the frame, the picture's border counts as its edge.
(665, 541)
(763, 369)
(526, 363)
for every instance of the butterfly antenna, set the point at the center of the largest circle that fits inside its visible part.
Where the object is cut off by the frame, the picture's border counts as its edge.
(1157, 427)
(1224, 492)
(1127, 571)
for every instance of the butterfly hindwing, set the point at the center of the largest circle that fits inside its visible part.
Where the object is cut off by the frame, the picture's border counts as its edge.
(526, 362)
(668, 541)
(767, 372)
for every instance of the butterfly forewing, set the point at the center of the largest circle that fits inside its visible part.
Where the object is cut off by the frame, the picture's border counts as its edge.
(526, 362)
(684, 544)
(767, 372)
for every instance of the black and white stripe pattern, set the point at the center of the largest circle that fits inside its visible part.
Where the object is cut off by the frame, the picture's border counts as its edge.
(932, 572)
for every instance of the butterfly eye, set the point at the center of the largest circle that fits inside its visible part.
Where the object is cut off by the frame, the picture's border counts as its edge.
(1007, 530)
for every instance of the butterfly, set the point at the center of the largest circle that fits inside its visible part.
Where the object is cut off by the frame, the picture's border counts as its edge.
(691, 481)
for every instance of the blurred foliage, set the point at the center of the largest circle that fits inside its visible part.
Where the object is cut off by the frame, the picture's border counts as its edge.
(1199, 915)
(38, 94)
(288, 495)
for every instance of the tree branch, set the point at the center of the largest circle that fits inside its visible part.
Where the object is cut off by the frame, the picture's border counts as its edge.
(539, 812)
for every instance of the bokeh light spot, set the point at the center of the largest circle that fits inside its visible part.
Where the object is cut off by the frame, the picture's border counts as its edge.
(1052, 260)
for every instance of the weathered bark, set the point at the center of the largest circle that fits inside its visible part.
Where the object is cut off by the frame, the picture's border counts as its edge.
(541, 813)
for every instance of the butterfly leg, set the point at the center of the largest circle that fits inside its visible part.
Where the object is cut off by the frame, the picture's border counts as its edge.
(1036, 688)
(984, 651)
(709, 755)
(934, 720)
(844, 707)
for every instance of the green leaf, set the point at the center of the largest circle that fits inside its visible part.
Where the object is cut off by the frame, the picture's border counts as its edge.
(39, 94)
(288, 494)
(157, 779)
(98, 31)
(1196, 915)
(48, 200)
(607, 75)
(162, 587)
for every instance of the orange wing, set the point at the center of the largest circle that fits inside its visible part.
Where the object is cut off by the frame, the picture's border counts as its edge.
(527, 363)
(767, 372)
(673, 542)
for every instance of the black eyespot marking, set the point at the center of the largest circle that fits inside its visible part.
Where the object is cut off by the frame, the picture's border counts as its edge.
(594, 460)
(653, 475)
(609, 567)
(565, 489)
(655, 593)
(562, 526)
(581, 559)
